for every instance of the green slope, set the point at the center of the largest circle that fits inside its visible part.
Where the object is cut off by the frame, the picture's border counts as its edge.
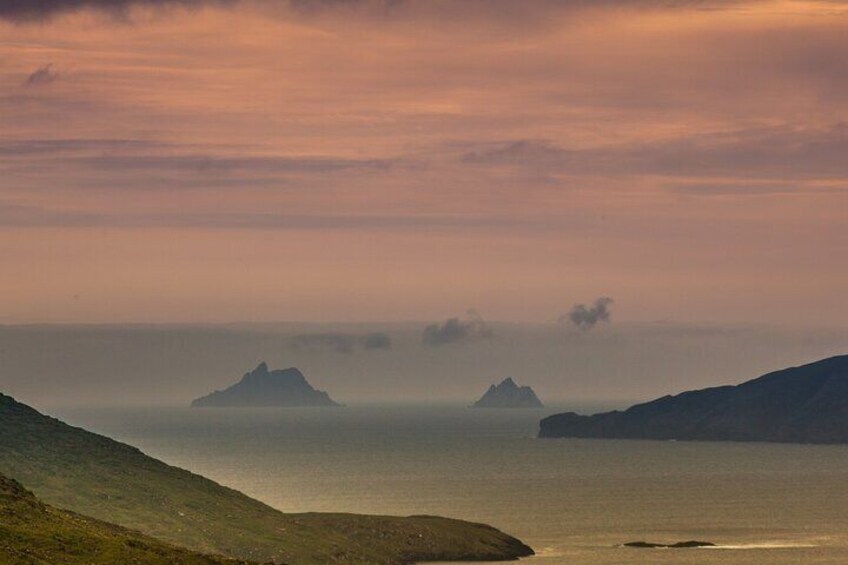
(37, 534)
(93, 475)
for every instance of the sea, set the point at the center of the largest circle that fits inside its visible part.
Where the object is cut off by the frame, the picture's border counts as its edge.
(575, 501)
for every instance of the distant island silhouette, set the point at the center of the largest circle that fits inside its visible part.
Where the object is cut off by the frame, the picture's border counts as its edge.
(806, 404)
(508, 395)
(261, 387)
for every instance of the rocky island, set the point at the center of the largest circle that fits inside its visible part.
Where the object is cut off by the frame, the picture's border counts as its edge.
(508, 395)
(261, 387)
(691, 544)
(806, 404)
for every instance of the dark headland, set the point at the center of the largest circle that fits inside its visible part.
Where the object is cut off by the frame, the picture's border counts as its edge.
(508, 395)
(807, 404)
(114, 483)
(261, 387)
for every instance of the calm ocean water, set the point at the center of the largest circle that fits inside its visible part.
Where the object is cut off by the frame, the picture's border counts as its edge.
(574, 501)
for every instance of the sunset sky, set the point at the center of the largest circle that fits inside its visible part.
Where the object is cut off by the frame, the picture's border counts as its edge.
(208, 161)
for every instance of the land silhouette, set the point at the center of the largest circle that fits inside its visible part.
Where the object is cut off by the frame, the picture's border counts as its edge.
(508, 394)
(806, 404)
(262, 387)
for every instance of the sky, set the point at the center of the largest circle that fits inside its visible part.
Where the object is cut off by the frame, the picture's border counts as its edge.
(346, 161)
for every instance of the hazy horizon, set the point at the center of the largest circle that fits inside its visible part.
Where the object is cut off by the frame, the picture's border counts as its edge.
(613, 363)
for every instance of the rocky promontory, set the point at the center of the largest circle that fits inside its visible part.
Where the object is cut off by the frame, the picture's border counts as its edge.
(806, 404)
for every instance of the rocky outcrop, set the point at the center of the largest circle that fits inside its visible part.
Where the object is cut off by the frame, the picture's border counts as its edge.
(261, 387)
(509, 395)
(679, 545)
(807, 404)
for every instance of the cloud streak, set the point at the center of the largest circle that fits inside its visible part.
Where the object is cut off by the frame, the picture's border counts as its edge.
(139, 155)
(35, 10)
(31, 216)
(767, 152)
(39, 10)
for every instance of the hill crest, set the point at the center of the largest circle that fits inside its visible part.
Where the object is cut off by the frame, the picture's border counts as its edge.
(805, 404)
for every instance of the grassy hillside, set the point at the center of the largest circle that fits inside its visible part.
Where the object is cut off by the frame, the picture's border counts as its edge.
(93, 475)
(33, 533)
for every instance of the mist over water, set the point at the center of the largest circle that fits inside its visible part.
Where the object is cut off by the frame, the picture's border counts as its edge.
(171, 365)
(574, 501)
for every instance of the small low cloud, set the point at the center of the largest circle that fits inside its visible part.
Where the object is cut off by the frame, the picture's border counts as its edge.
(338, 342)
(456, 330)
(42, 76)
(753, 188)
(377, 340)
(587, 317)
(519, 152)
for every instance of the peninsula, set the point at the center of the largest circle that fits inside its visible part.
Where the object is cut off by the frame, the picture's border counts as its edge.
(806, 404)
(93, 475)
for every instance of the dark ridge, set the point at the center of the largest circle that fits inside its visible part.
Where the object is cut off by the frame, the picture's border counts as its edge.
(807, 404)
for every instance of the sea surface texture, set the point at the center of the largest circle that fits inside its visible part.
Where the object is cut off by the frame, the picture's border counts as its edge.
(574, 501)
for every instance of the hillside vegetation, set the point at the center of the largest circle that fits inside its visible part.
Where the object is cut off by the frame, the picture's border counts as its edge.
(34, 533)
(93, 475)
